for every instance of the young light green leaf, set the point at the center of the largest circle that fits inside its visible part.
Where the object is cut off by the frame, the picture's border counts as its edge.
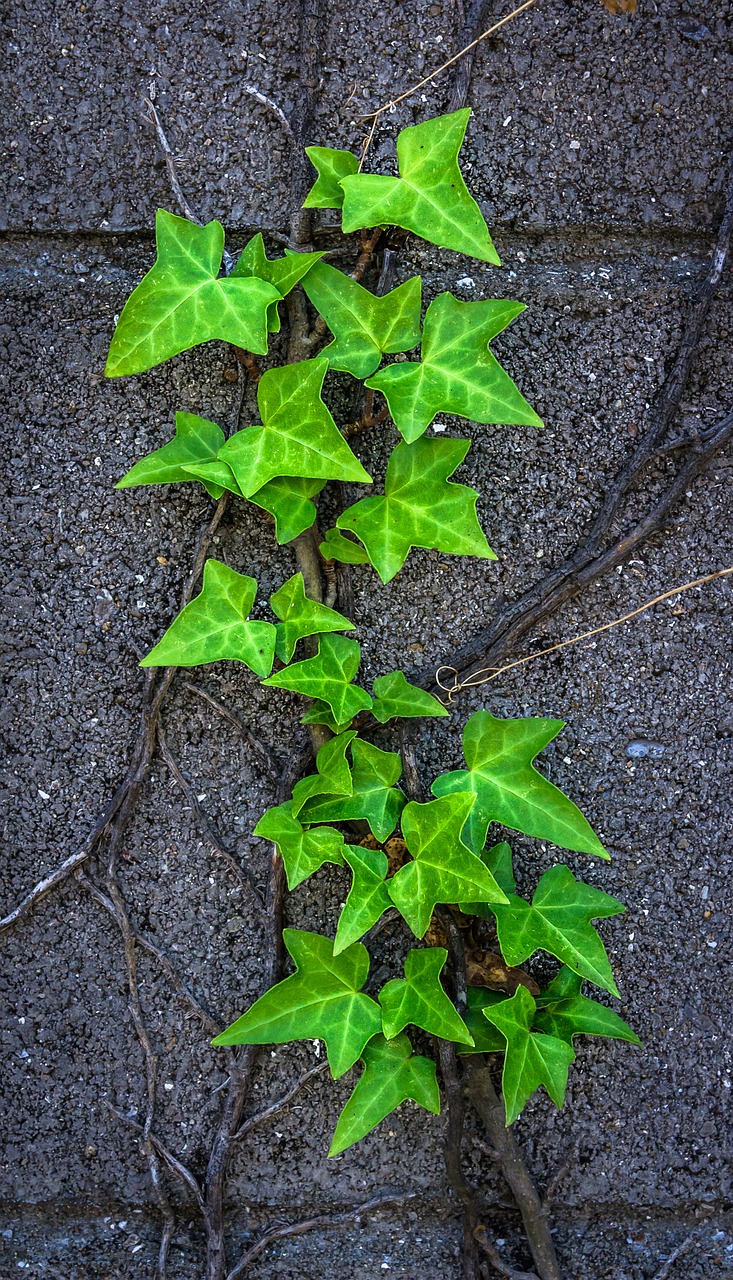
(486, 1038)
(499, 755)
(373, 795)
(365, 327)
(331, 165)
(287, 498)
(215, 625)
(392, 1074)
(336, 547)
(303, 852)
(559, 921)
(394, 696)
(429, 198)
(323, 1000)
(419, 1000)
(444, 869)
(368, 898)
(299, 437)
(181, 302)
(530, 1059)
(457, 372)
(196, 441)
(214, 475)
(300, 616)
(283, 273)
(420, 508)
(328, 677)
(320, 713)
(333, 777)
(563, 1011)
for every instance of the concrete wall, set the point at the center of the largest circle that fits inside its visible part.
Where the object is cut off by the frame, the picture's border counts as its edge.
(597, 151)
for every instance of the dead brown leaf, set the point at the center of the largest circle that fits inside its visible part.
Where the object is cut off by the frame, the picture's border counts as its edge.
(488, 969)
(617, 7)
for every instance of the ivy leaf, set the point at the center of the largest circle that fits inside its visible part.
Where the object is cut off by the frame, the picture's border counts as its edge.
(392, 1074)
(444, 869)
(457, 373)
(300, 616)
(333, 777)
(323, 1000)
(287, 498)
(303, 852)
(368, 898)
(215, 625)
(181, 302)
(373, 796)
(214, 475)
(394, 696)
(564, 1012)
(331, 165)
(559, 921)
(429, 198)
(196, 441)
(530, 1059)
(499, 754)
(299, 437)
(283, 273)
(486, 1038)
(419, 1000)
(420, 508)
(498, 859)
(365, 327)
(320, 713)
(336, 547)
(328, 677)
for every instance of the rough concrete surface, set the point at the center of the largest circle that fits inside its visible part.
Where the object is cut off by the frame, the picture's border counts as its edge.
(597, 150)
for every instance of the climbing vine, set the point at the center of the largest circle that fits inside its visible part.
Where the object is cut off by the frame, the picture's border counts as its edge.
(429, 864)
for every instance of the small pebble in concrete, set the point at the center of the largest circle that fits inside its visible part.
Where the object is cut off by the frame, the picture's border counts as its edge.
(641, 747)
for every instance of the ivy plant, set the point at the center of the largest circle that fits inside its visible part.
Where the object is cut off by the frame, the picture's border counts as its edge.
(397, 857)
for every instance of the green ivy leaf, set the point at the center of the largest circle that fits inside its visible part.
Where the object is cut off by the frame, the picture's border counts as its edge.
(299, 437)
(336, 547)
(419, 1000)
(563, 1011)
(214, 475)
(429, 198)
(287, 498)
(420, 508)
(196, 441)
(486, 1038)
(444, 869)
(368, 898)
(331, 165)
(457, 372)
(498, 859)
(215, 625)
(559, 921)
(365, 327)
(530, 1059)
(320, 713)
(392, 1074)
(181, 302)
(323, 1000)
(333, 777)
(300, 616)
(373, 795)
(509, 790)
(394, 696)
(283, 273)
(303, 852)
(328, 677)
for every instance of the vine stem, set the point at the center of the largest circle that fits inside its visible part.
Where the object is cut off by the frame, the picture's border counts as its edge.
(490, 1107)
